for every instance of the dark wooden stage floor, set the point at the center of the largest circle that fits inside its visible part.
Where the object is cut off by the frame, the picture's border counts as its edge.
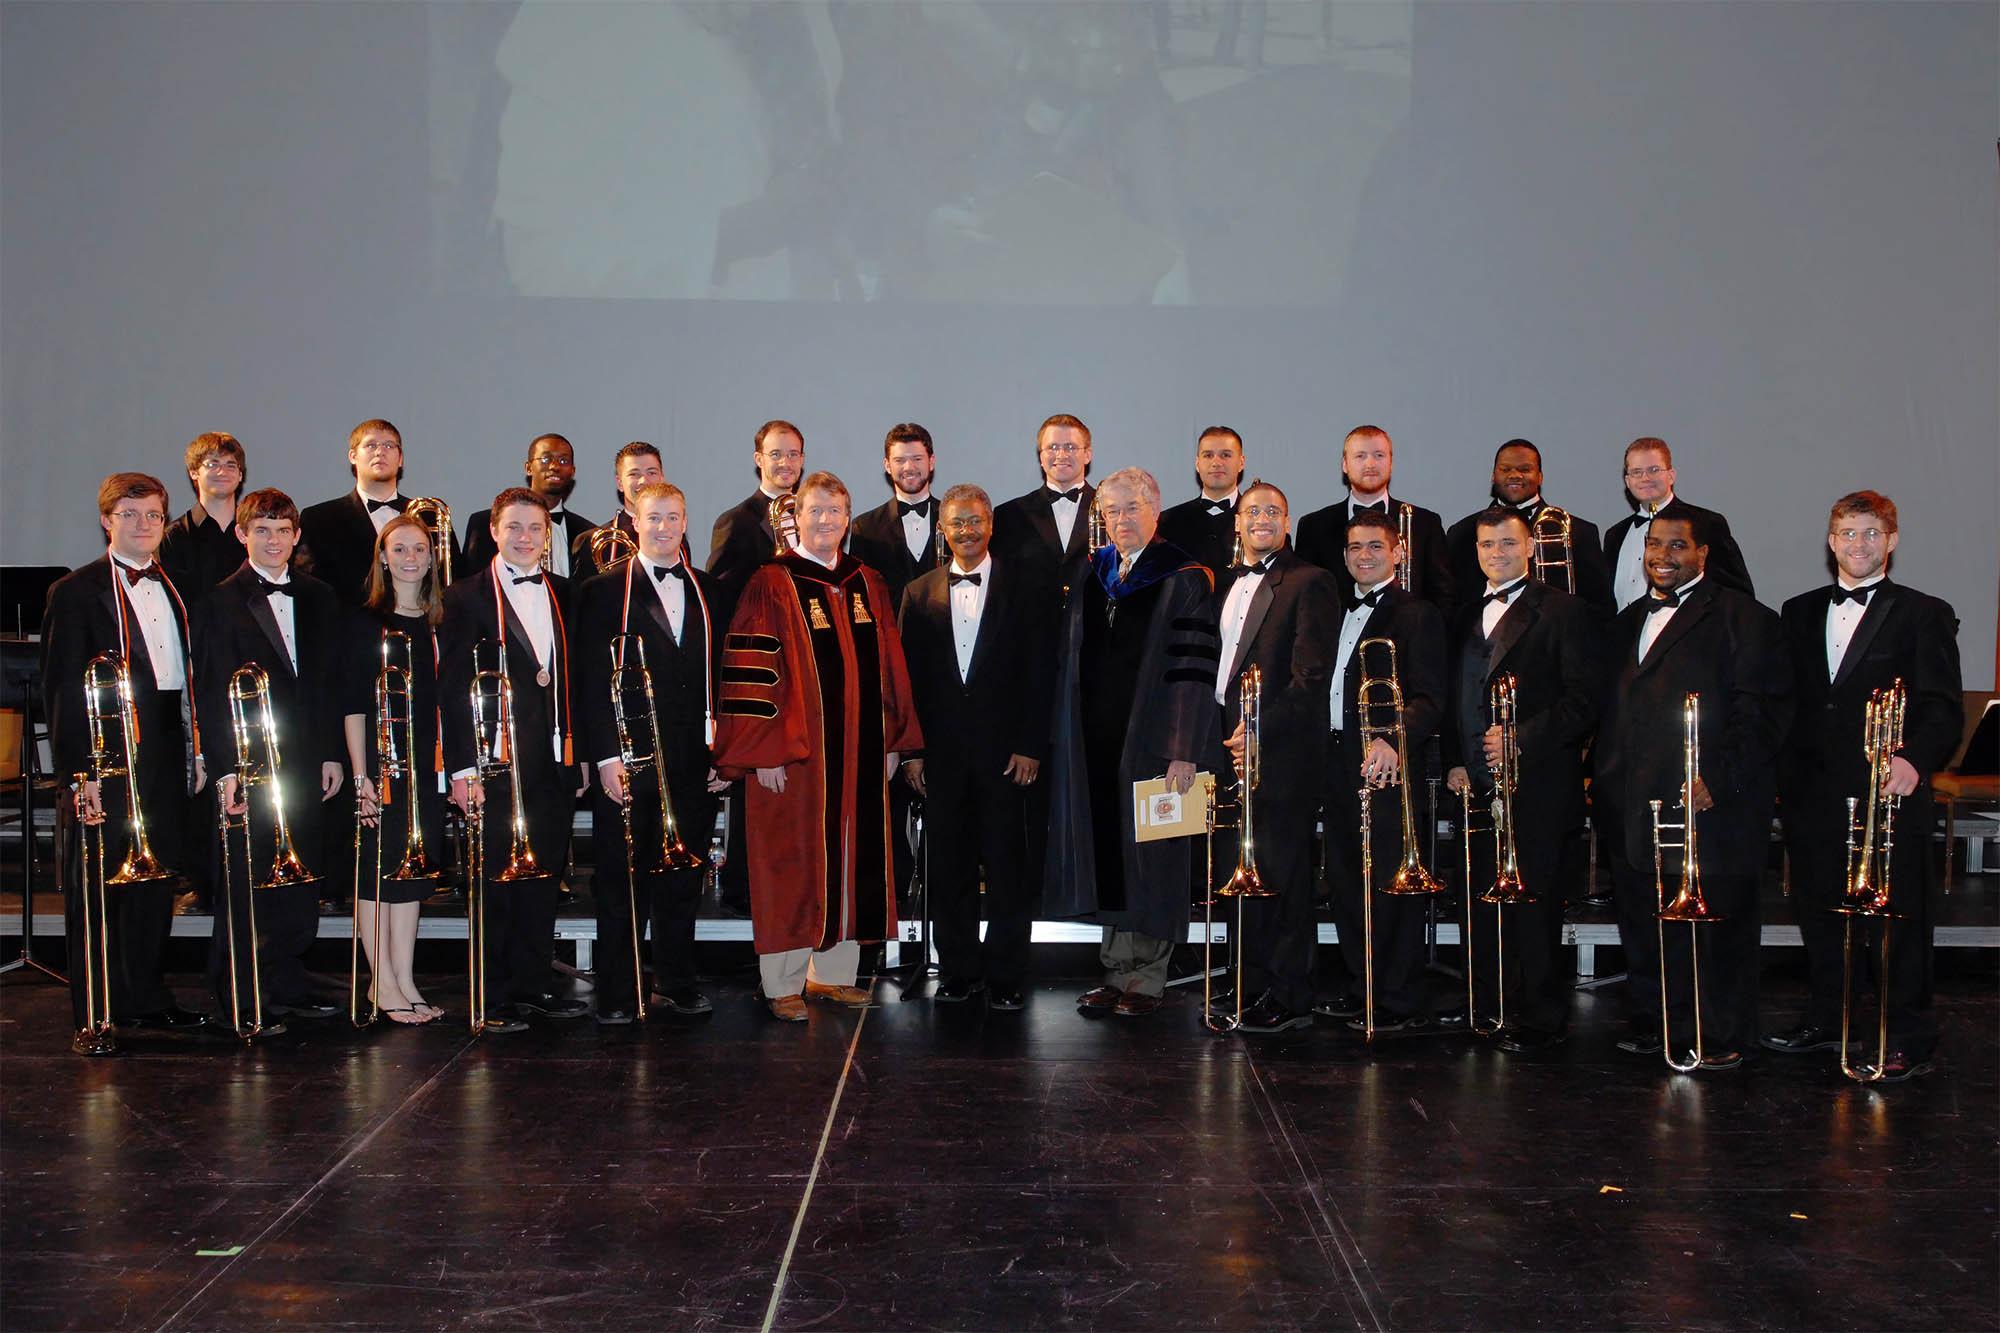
(921, 1166)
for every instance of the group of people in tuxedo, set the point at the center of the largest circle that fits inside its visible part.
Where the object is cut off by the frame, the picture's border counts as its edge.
(825, 669)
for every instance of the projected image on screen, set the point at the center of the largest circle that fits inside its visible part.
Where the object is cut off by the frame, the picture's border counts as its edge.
(1195, 153)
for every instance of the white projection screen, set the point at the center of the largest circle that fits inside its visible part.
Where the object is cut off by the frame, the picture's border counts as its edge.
(1765, 232)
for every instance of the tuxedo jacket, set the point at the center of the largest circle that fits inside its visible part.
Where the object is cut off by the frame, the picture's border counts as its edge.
(1290, 633)
(236, 628)
(338, 545)
(1025, 533)
(540, 711)
(1725, 557)
(1003, 706)
(572, 530)
(1730, 649)
(1209, 538)
(1593, 576)
(621, 601)
(81, 621)
(741, 542)
(1904, 635)
(1322, 539)
(876, 540)
(1417, 629)
(1549, 642)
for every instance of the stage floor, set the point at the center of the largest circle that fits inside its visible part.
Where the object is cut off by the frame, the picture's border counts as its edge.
(924, 1166)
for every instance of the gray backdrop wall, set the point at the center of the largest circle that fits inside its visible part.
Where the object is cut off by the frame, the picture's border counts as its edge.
(1764, 232)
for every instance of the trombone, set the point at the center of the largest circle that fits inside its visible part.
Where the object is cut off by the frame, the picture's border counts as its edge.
(610, 545)
(1245, 882)
(1554, 551)
(1688, 903)
(1094, 534)
(783, 514)
(1406, 558)
(435, 515)
(1871, 844)
(1377, 692)
(630, 676)
(395, 760)
(1507, 886)
(255, 732)
(493, 749)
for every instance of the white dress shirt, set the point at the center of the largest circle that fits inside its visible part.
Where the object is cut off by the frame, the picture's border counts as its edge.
(1630, 577)
(1064, 511)
(1380, 505)
(1490, 613)
(379, 517)
(1841, 622)
(559, 544)
(159, 623)
(1236, 610)
(968, 604)
(1351, 626)
(531, 604)
(282, 610)
(671, 591)
(917, 526)
(1657, 620)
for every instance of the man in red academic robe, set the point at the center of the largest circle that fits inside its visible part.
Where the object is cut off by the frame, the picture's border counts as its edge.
(815, 703)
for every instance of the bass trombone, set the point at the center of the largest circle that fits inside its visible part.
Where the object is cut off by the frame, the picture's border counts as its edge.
(254, 730)
(1688, 903)
(629, 677)
(1377, 692)
(783, 516)
(435, 515)
(1507, 887)
(395, 761)
(1246, 882)
(494, 751)
(1870, 884)
(1406, 558)
(1553, 548)
(611, 545)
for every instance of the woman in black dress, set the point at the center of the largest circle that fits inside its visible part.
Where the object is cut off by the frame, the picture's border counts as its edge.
(404, 603)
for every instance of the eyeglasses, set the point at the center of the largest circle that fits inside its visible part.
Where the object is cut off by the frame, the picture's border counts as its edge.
(1870, 535)
(220, 465)
(143, 518)
(1064, 448)
(973, 523)
(1641, 473)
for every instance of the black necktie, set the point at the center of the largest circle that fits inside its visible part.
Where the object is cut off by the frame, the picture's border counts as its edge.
(920, 507)
(955, 578)
(527, 578)
(1370, 599)
(395, 504)
(132, 576)
(1073, 496)
(1501, 595)
(1658, 603)
(269, 587)
(1860, 595)
(660, 572)
(1379, 507)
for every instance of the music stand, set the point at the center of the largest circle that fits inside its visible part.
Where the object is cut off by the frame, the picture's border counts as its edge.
(20, 688)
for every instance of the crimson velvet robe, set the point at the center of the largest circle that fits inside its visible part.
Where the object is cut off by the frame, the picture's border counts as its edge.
(813, 681)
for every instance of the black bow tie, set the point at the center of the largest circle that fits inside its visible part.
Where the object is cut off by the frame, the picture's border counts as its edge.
(395, 504)
(955, 578)
(268, 587)
(660, 572)
(1379, 507)
(1261, 567)
(1659, 603)
(1370, 599)
(1642, 518)
(1073, 496)
(920, 507)
(1860, 595)
(1501, 595)
(132, 576)
(527, 578)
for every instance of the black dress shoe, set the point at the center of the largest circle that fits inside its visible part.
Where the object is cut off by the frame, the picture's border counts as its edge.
(1528, 1041)
(685, 1000)
(1407, 1024)
(502, 1024)
(1717, 1062)
(1901, 1066)
(1454, 1020)
(303, 1009)
(1268, 1016)
(1340, 1006)
(1006, 1000)
(549, 1005)
(173, 1016)
(614, 1018)
(957, 990)
(1641, 1043)
(1099, 999)
(1800, 1040)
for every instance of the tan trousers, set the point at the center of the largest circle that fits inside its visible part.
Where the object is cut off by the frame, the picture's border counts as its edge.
(1135, 962)
(785, 973)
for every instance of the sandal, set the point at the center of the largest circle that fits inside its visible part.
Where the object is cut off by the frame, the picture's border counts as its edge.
(392, 1015)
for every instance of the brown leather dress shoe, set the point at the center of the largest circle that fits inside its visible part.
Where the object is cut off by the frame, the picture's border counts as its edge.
(1132, 1004)
(851, 996)
(1100, 998)
(788, 1008)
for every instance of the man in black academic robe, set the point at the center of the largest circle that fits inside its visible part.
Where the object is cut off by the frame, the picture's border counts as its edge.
(1691, 636)
(1134, 701)
(1278, 614)
(1205, 527)
(550, 472)
(1861, 634)
(1367, 465)
(1546, 641)
(668, 607)
(287, 625)
(1649, 488)
(122, 603)
(1517, 485)
(979, 641)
